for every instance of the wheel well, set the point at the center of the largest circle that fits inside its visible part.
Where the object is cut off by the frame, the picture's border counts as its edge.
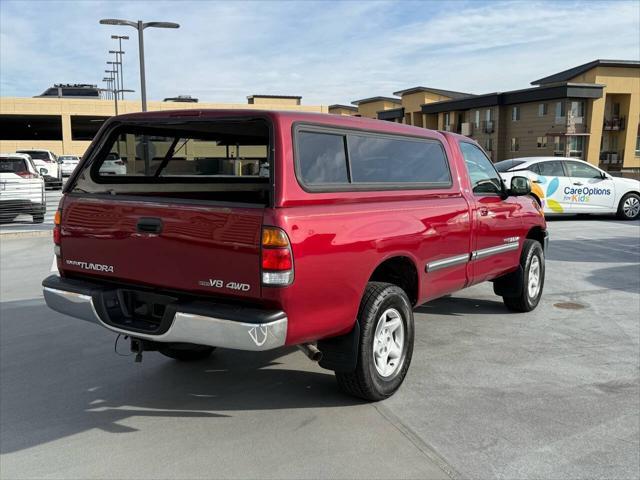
(399, 271)
(535, 197)
(536, 233)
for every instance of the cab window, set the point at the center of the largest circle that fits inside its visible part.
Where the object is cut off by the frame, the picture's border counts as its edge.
(548, 169)
(582, 170)
(483, 175)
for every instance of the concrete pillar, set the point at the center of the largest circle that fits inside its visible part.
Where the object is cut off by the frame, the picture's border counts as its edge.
(66, 135)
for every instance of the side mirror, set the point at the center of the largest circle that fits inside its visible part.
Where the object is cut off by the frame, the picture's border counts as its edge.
(603, 175)
(43, 171)
(520, 186)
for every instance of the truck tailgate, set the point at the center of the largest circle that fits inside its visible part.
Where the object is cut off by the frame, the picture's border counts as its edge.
(197, 247)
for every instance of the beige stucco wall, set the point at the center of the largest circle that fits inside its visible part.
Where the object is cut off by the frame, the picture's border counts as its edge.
(66, 107)
(371, 109)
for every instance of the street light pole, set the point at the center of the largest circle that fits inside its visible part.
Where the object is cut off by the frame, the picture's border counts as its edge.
(140, 26)
(121, 52)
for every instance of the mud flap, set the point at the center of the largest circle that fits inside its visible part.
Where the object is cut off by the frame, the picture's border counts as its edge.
(340, 354)
(509, 285)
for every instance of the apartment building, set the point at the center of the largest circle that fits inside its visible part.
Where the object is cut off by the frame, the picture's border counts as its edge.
(591, 111)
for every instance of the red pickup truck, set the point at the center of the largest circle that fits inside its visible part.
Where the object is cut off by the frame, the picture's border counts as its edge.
(253, 230)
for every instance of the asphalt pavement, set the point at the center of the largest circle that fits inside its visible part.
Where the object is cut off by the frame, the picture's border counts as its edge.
(554, 393)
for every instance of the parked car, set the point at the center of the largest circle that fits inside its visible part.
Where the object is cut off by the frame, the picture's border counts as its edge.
(68, 163)
(357, 222)
(113, 165)
(47, 164)
(570, 185)
(21, 188)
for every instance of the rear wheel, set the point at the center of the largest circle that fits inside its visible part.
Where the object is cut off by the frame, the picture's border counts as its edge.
(629, 207)
(385, 345)
(38, 217)
(532, 264)
(186, 352)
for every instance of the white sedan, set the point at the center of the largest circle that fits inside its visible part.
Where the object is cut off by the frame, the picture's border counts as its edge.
(571, 185)
(68, 163)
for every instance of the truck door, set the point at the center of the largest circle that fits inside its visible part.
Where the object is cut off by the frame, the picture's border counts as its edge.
(495, 224)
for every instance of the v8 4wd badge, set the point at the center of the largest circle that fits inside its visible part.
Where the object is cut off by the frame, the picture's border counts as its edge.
(241, 287)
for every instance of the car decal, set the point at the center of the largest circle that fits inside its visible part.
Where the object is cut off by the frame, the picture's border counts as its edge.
(549, 190)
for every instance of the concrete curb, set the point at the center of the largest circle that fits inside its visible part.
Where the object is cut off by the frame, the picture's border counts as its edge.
(25, 234)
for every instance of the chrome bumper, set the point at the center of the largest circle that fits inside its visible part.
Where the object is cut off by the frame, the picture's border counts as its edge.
(185, 327)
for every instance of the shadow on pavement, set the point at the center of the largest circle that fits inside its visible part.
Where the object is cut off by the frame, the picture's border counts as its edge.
(53, 390)
(585, 216)
(462, 306)
(604, 250)
(625, 278)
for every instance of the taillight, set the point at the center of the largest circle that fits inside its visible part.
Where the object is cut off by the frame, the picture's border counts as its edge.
(27, 174)
(56, 231)
(276, 258)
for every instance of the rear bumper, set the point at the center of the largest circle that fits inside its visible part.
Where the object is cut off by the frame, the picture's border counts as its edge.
(203, 323)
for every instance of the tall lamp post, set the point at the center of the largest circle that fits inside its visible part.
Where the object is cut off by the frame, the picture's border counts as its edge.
(140, 26)
(117, 71)
(118, 54)
(121, 52)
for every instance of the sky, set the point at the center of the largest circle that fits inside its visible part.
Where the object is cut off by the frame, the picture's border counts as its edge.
(327, 52)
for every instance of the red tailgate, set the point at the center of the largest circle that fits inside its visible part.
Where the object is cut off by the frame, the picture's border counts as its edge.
(204, 249)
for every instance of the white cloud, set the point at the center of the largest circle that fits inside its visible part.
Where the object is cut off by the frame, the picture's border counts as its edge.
(328, 52)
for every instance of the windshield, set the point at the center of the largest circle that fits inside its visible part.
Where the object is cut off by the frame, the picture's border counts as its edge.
(13, 165)
(36, 155)
(507, 165)
(68, 158)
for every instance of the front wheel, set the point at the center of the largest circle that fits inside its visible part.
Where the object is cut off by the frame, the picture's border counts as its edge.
(629, 208)
(533, 268)
(186, 352)
(385, 345)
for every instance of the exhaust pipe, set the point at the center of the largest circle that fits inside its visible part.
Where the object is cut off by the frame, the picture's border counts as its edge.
(311, 351)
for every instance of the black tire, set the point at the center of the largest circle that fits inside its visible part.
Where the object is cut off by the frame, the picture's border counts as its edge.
(629, 207)
(186, 352)
(38, 217)
(366, 381)
(526, 301)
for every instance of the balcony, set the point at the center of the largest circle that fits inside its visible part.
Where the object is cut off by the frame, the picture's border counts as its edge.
(611, 160)
(614, 124)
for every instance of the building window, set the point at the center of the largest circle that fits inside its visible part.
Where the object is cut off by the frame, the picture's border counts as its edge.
(477, 119)
(515, 113)
(558, 145)
(560, 110)
(576, 146)
(488, 144)
(542, 142)
(577, 109)
(616, 109)
(638, 146)
(515, 146)
(487, 115)
(447, 119)
(542, 109)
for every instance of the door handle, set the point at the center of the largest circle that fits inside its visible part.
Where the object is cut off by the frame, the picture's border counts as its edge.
(537, 181)
(149, 225)
(577, 183)
(483, 211)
